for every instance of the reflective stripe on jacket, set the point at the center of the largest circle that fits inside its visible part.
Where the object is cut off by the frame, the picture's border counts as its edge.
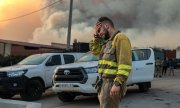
(114, 56)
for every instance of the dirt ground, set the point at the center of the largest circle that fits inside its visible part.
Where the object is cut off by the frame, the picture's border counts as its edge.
(165, 93)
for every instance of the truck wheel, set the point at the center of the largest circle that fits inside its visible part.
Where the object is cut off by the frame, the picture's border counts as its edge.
(66, 97)
(144, 87)
(33, 91)
(7, 96)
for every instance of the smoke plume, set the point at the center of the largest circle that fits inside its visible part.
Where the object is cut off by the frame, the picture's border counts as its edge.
(19, 29)
(147, 23)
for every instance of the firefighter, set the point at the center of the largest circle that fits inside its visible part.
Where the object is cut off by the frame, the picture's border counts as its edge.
(114, 65)
(158, 67)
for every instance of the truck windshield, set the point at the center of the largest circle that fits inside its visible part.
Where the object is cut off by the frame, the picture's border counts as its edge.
(34, 59)
(87, 57)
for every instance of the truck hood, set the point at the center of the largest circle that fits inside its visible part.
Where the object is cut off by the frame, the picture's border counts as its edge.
(80, 64)
(17, 67)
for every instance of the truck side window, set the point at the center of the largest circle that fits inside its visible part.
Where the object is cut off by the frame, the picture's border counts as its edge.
(141, 54)
(133, 58)
(68, 59)
(54, 60)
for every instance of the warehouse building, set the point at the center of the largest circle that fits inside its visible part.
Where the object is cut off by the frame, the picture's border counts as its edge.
(15, 48)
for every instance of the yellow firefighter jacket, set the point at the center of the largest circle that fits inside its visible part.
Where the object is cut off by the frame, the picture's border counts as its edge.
(158, 62)
(114, 56)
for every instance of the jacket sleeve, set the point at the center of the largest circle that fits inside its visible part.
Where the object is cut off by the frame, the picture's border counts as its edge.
(124, 58)
(95, 45)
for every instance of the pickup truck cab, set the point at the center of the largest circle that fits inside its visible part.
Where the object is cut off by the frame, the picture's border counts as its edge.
(79, 78)
(33, 75)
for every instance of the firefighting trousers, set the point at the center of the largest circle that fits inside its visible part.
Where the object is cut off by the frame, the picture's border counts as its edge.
(104, 95)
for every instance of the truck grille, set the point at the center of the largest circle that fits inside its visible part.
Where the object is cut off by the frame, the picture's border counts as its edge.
(73, 75)
(3, 74)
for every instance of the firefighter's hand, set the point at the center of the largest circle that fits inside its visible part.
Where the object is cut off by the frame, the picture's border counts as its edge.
(97, 29)
(115, 92)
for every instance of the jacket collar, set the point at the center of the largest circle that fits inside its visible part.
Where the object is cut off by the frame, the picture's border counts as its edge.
(111, 38)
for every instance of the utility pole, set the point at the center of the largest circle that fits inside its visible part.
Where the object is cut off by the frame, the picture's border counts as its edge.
(69, 26)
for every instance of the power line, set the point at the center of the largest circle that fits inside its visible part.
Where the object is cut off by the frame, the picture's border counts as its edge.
(30, 12)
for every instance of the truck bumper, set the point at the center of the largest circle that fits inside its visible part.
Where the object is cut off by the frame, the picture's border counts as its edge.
(73, 87)
(12, 85)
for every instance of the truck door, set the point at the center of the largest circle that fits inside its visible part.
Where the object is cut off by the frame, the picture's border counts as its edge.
(142, 65)
(129, 81)
(50, 66)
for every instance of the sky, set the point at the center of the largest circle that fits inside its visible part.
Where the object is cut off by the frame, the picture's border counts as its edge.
(148, 23)
(20, 29)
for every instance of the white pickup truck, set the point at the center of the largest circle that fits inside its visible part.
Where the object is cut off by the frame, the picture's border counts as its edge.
(79, 78)
(33, 75)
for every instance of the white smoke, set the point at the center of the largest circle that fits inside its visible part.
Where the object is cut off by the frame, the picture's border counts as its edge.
(147, 23)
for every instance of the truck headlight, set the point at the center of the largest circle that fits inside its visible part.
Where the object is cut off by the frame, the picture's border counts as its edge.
(91, 70)
(16, 73)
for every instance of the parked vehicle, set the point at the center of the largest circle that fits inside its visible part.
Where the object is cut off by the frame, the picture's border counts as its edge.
(177, 63)
(33, 75)
(79, 78)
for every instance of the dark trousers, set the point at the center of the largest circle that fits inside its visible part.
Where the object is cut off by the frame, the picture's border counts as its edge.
(164, 69)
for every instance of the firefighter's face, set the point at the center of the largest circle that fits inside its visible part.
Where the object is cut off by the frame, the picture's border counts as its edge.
(103, 32)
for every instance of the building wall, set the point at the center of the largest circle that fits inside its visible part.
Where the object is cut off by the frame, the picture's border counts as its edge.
(178, 53)
(20, 51)
(1, 48)
(81, 47)
(170, 53)
(26, 51)
(15, 48)
(5, 49)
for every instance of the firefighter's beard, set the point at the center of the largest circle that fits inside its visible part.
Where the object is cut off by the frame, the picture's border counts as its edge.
(106, 35)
